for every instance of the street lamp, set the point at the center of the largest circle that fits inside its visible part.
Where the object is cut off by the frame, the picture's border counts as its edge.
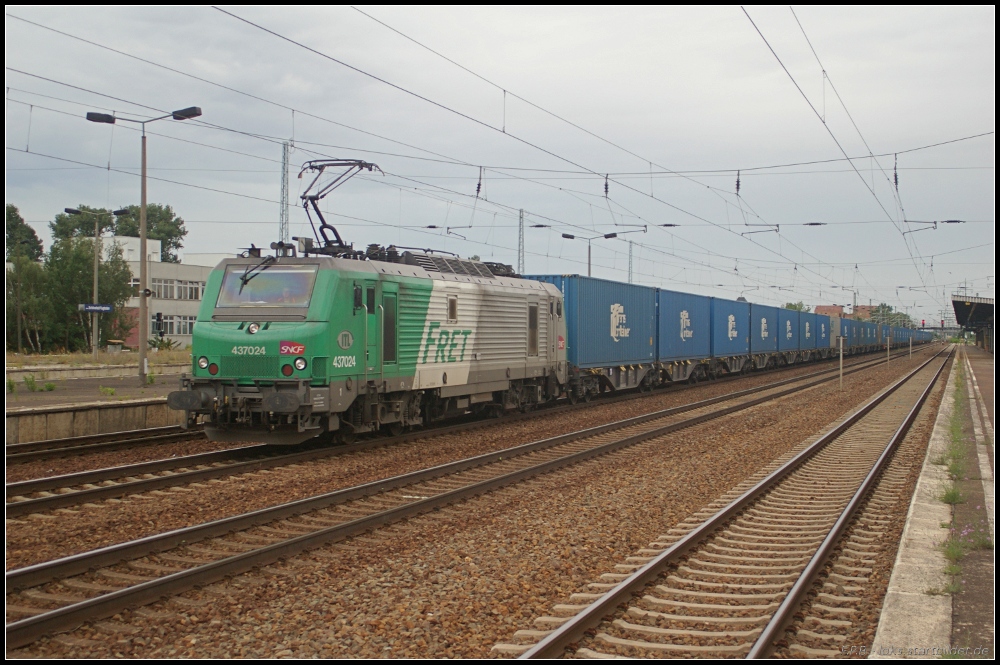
(183, 114)
(97, 254)
(570, 236)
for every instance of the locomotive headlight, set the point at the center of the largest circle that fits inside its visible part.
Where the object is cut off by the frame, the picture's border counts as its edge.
(253, 328)
(203, 362)
(300, 364)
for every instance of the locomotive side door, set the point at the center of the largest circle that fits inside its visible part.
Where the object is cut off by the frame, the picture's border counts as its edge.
(388, 317)
(373, 367)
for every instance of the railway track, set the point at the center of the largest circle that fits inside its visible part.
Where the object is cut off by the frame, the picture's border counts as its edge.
(59, 595)
(30, 496)
(97, 443)
(730, 580)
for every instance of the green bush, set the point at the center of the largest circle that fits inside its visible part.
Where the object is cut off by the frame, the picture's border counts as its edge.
(110, 392)
(29, 383)
(49, 387)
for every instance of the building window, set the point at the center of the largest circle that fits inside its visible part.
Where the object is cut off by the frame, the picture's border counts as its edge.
(185, 325)
(189, 290)
(163, 288)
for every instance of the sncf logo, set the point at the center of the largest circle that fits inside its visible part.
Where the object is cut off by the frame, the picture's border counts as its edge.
(291, 349)
(618, 329)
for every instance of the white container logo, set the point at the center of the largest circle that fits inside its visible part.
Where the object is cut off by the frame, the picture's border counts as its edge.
(763, 328)
(732, 327)
(686, 332)
(808, 333)
(822, 331)
(788, 329)
(618, 329)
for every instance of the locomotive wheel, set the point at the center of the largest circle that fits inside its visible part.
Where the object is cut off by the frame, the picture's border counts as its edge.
(572, 397)
(395, 429)
(345, 438)
(587, 396)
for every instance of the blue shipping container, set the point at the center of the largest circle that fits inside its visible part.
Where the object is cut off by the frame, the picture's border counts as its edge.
(824, 338)
(607, 323)
(807, 330)
(730, 328)
(763, 329)
(685, 326)
(788, 330)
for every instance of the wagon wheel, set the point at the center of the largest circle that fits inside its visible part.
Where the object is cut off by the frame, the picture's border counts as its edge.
(395, 429)
(587, 396)
(572, 397)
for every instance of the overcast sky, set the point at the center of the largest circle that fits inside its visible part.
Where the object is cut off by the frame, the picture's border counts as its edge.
(669, 102)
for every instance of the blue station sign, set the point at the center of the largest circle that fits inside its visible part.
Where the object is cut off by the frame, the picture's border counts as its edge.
(93, 307)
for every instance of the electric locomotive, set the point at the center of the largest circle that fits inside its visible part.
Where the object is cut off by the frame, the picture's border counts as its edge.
(320, 339)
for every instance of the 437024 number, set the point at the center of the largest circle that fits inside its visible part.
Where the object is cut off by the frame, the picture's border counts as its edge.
(248, 351)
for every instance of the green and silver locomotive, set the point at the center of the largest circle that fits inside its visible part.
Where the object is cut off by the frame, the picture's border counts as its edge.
(321, 338)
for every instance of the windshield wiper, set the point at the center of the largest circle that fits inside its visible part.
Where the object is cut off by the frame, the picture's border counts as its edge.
(252, 272)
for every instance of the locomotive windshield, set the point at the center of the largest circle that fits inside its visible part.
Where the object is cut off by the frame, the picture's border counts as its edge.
(267, 286)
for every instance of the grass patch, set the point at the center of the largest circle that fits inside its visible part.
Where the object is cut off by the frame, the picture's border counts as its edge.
(951, 495)
(953, 549)
(49, 387)
(29, 383)
(110, 392)
(150, 379)
(11, 386)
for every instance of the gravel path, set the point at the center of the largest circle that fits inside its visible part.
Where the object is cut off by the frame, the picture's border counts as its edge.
(69, 531)
(454, 583)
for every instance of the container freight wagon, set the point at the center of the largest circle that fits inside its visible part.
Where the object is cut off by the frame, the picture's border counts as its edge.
(825, 339)
(807, 335)
(610, 333)
(731, 335)
(763, 335)
(684, 334)
(789, 337)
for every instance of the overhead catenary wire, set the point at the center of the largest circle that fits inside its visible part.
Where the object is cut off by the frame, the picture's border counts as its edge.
(553, 170)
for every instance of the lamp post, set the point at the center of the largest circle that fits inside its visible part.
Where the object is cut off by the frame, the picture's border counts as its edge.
(570, 236)
(183, 114)
(97, 254)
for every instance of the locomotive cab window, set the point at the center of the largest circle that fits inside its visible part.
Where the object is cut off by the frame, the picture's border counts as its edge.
(267, 285)
(452, 309)
(532, 330)
(559, 308)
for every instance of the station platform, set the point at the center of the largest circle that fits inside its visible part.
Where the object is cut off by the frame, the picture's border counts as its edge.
(930, 610)
(69, 392)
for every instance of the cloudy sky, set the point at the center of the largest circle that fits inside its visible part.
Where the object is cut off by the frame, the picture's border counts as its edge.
(538, 108)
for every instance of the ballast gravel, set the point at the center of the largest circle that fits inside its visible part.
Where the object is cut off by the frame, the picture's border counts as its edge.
(455, 582)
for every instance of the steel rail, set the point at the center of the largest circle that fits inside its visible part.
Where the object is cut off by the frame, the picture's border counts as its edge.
(78, 445)
(77, 497)
(555, 643)
(27, 630)
(764, 645)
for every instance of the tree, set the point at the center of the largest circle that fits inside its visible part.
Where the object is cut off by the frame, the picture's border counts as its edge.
(27, 307)
(161, 224)
(797, 306)
(21, 239)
